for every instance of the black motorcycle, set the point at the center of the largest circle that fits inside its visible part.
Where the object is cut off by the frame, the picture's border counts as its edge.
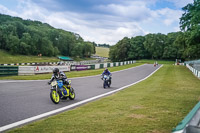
(107, 81)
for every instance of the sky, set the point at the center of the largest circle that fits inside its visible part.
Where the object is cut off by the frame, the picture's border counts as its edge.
(101, 21)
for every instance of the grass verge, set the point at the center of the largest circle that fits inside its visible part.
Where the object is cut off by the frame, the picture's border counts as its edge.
(153, 61)
(71, 74)
(155, 105)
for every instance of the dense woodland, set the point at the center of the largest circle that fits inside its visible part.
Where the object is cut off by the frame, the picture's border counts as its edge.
(183, 45)
(28, 37)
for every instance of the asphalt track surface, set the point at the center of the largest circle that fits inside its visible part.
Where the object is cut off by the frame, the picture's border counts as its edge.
(20, 99)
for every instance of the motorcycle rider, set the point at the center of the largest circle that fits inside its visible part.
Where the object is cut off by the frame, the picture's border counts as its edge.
(57, 74)
(108, 73)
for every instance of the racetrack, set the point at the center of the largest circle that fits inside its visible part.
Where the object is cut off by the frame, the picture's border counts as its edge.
(20, 100)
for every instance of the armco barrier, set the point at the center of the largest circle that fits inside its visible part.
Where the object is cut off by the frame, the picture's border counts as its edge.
(99, 66)
(199, 74)
(49, 63)
(80, 67)
(188, 121)
(105, 65)
(194, 71)
(31, 70)
(8, 70)
(26, 70)
(92, 66)
(111, 64)
(108, 65)
(117, 63)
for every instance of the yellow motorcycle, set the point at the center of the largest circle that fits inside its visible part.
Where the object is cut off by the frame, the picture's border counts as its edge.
(60, 91)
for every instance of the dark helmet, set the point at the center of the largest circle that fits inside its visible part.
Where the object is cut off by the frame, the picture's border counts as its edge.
(106, 69)
(55, 71)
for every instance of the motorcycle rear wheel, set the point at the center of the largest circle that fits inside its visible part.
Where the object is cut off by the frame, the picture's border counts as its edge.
(54, 96)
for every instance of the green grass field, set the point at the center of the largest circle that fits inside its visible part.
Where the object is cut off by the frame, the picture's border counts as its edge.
(7, 58)
(153, 61)
(103, 52)
(155, 105)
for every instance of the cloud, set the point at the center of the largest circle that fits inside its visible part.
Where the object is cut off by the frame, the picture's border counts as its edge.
(180, 3)
(169, 16)
(136, 10)
(5, 10)
(99, 28)
(108, 24)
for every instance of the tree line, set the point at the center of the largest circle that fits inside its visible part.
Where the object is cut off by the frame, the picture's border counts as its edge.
(183, 45)
(28, 37)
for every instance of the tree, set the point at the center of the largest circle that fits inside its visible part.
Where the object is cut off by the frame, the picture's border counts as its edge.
(170, 50)
(154, 44)
(191, 18)
(78, 50)
(190, 23)
(112, 53)
(33, 37)
(137, 50)
(119, 52)
(20, 29)
(88, 49)
(24, 48)
(47, 48)
(180, 44)
(13, 44)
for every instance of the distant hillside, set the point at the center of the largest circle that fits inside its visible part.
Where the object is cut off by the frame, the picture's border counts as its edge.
(28, 37)
(103, 52)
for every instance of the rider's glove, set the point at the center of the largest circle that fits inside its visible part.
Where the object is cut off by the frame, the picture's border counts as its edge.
(49, 82)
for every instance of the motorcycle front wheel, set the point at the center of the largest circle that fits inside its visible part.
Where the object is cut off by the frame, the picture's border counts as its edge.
(104, 84)
(72, 94)
(108, 84)
(54, 96)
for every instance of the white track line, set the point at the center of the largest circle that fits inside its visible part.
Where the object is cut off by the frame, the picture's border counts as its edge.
(69, 106)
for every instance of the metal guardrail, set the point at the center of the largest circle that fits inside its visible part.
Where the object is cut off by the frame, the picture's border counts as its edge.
(187, 123)
(32, 70)
(194, 63)
(99, 66)
(54, 63)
